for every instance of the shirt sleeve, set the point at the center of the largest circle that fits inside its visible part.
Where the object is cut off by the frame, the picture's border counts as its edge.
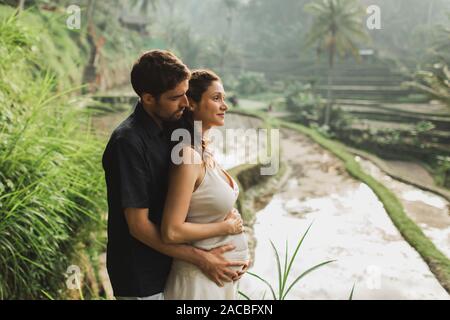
(133, 174)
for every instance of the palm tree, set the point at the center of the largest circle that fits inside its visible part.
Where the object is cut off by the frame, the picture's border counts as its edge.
(231, 7)
(336, 28)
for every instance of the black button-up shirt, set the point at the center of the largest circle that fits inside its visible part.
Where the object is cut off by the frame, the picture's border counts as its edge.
(136, 163)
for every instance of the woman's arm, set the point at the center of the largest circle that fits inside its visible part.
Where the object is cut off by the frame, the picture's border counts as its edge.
(174, 228)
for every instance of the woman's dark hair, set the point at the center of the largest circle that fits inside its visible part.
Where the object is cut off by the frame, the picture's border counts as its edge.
(198, 84)
(156, 72)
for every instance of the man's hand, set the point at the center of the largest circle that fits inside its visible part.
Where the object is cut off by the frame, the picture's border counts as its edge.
(217, 268)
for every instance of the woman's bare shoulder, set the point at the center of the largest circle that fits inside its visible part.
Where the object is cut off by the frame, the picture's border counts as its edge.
(190, 156)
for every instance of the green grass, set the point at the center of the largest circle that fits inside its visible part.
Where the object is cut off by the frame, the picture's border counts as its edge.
(51, 180)
(59, 49)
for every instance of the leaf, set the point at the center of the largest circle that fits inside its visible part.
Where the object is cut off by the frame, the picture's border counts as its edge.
(351, 293)
(244, 295)
(304, 274)
(280, 279)
(265, 281)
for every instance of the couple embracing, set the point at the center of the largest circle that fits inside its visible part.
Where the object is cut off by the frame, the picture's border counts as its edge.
(173, 232)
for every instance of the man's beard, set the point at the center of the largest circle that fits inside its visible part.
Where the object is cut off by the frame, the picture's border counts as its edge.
(173, 117)
(176, 115)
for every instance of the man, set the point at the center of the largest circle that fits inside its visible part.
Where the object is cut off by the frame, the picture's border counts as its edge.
(136, 163)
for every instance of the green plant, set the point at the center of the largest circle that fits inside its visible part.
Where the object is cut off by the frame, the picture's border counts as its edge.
(351, 293)
(434, 78)
(301, 101)
(435, 82)
(251, 83)
(51, 183)
(285, 270)
(424, 126)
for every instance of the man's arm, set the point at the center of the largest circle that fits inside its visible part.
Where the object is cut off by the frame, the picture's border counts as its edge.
(134, 191)
(212, 263)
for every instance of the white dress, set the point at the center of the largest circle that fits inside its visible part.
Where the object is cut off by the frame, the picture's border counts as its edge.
(213, 199)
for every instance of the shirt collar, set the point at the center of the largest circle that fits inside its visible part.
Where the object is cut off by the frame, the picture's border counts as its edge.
(146, 120)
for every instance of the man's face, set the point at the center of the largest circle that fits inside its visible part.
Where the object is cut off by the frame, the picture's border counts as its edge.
(172, 103)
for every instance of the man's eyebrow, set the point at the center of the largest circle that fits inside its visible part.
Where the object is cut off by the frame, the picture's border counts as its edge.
(178, 95)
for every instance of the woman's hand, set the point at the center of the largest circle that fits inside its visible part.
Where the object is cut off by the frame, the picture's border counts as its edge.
(233, 222)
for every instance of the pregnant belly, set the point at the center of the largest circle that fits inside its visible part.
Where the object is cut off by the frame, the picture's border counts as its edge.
(238, 240)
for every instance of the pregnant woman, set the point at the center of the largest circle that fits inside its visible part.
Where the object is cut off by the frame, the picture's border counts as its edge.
(200, 197)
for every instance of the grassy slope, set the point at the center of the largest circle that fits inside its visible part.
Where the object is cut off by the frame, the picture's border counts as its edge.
(57, 49)
(51, 181)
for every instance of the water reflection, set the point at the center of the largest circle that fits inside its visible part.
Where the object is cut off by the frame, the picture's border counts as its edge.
(350, 225)
(428, 210)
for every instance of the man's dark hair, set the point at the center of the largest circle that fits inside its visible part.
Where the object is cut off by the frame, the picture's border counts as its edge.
(156, 72)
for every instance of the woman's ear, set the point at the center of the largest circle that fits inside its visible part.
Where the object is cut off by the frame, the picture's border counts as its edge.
(192, 104)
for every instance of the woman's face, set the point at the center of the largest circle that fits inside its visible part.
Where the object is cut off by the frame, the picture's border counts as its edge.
(212, 107)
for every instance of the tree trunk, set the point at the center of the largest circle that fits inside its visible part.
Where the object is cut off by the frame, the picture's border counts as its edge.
(430, 11)
(429, 22)
(90, 11)
(227, 36)
(20, 6)
(329, 97)
(330, 84)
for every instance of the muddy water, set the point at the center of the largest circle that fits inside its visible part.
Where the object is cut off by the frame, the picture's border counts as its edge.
(349, 224)
(428, 210)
